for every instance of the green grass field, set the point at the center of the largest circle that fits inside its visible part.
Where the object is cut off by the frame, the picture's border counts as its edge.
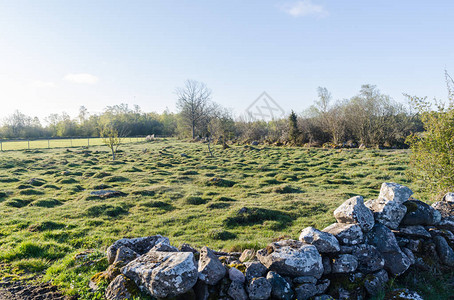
(172, 188)
(59, 143)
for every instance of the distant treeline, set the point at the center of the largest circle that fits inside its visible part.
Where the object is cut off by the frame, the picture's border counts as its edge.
(370, 118)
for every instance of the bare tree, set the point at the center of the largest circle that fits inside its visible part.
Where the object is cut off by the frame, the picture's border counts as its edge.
(194, 105)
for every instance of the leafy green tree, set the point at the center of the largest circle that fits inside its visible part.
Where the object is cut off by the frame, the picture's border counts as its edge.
(432, 157)
(293, 128)
(112, 138)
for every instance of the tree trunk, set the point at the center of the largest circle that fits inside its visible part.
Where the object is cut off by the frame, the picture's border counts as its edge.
(209, 148)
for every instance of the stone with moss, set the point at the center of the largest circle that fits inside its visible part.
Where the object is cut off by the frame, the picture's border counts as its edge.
(163, 274)
(353, 211)
(211, 270)
(254, 270)
(121, 288)
(375, 282)
(420, 213)
(247, 255)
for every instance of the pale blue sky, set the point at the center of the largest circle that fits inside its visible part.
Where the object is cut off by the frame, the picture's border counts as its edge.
(58, 55)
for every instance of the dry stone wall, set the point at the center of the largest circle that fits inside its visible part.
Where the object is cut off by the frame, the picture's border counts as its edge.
(354, 258)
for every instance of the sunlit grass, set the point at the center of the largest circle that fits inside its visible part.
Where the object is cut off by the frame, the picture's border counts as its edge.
(59, 143)
(173, 188)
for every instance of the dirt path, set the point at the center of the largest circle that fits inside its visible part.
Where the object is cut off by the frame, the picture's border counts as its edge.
(24, 291)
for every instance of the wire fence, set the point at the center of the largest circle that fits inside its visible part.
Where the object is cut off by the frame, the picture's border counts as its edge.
(27, 144)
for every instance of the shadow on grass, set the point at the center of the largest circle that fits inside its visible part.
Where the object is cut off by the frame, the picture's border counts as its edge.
(105, 210)
(255, 215)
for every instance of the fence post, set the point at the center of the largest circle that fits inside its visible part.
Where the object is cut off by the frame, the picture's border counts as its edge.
(88, 142)
(48, 143)
(1, 146)
(28, 144)
(71, 141)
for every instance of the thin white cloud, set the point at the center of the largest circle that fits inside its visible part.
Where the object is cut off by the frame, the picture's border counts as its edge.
(43, 84)
(82, 78)
(304, 8)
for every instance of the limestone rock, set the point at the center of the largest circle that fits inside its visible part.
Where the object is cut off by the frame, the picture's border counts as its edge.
(396, 262)
(292, 258)
(323, 241)
(247, 255)
(445, 252)
(202, 290)
(280, 288)
(449, 197)
(414, 245)
(306, 291)
(346, 234)
(163, 274)
(369, 258)
(211, 270)
(164, 247)
(447, 224)
(409, 254)
(124, 255)
(353, 211)
(121, 288)
(344, 263)
(395, 192)
(445, 208)
(326, 261)
(399, 294)
(259, 289)
(237, 291)
(140, 245)
(448, 235)
(420, 213)
(304, 279)
(386, 212)
(254, 270)
(322, 286)
(236, 275)
(375, 283)
(188, 248)
(344, 249)
(415, 231)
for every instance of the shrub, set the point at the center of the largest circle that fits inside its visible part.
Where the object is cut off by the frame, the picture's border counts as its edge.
(432, 157)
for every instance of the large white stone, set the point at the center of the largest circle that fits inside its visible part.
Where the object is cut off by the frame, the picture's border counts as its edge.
(324, 242)
(346, 234)
(292, 258)
(387, 212)
(353, 211)
(163, 274)
(395, 192)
